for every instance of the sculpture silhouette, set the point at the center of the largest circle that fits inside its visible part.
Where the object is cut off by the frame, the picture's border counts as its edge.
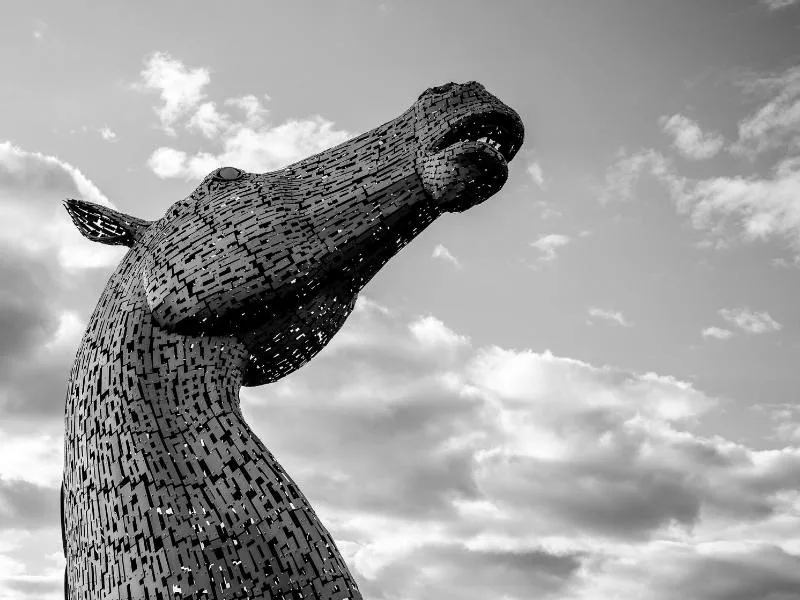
(167, 492)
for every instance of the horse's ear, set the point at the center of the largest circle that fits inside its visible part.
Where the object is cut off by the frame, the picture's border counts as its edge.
(104, 225)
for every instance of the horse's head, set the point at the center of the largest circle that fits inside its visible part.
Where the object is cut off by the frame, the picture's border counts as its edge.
(277, 259)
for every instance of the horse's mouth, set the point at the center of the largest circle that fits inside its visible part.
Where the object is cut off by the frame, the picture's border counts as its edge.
(469, 162)
(498, 130)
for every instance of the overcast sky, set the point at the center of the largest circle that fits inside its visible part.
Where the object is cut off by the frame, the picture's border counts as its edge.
(584, 388)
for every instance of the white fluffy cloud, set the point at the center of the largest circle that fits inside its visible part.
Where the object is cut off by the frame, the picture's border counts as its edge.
(750, 321)
(208, 121)
(270, 147)
(247, 141)
(431, 332)
(254, 149)
(482, 470)
(549, 244)
(689, 139)
(180, 87)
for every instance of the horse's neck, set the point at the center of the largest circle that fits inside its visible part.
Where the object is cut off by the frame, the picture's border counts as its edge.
(131, 374)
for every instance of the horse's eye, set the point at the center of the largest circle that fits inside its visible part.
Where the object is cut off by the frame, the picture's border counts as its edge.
(228, 173)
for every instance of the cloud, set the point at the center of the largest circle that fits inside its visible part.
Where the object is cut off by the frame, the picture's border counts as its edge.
(208, 121)
(27, 318)
(107, 134)
(33, 457)
(689, 139)
(431, 332)
(256, 150)
(516, 472)
(786, 420)
(32, 187)
(765, 208)
(550, 213)
(38, 333)
(741, 573)
(549, 244)
(247, 141)
(452, 571)
(441, 252)
(755, 208)
(167, 162)
(782, 263)
(715, 570)
(622, 177)
(31, 565)
(51, 278)
(773, 5)
(777, 123)
(750, 321)
(180, 88)
(255, 114)
(27, 506)
(535, 171)
(272, 147)
(609, 315)
(717, 333)
(40, 28)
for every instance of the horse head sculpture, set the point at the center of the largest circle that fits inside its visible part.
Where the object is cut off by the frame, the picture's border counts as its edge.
(167, 493)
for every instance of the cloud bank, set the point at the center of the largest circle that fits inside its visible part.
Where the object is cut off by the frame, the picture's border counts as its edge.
(469, 471)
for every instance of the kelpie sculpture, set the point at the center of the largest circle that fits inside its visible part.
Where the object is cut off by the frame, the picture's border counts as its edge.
(167, 492)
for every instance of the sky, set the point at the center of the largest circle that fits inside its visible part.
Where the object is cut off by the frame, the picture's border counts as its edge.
(584, 388)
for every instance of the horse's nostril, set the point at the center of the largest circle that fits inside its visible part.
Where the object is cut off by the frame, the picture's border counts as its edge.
(228, 173)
